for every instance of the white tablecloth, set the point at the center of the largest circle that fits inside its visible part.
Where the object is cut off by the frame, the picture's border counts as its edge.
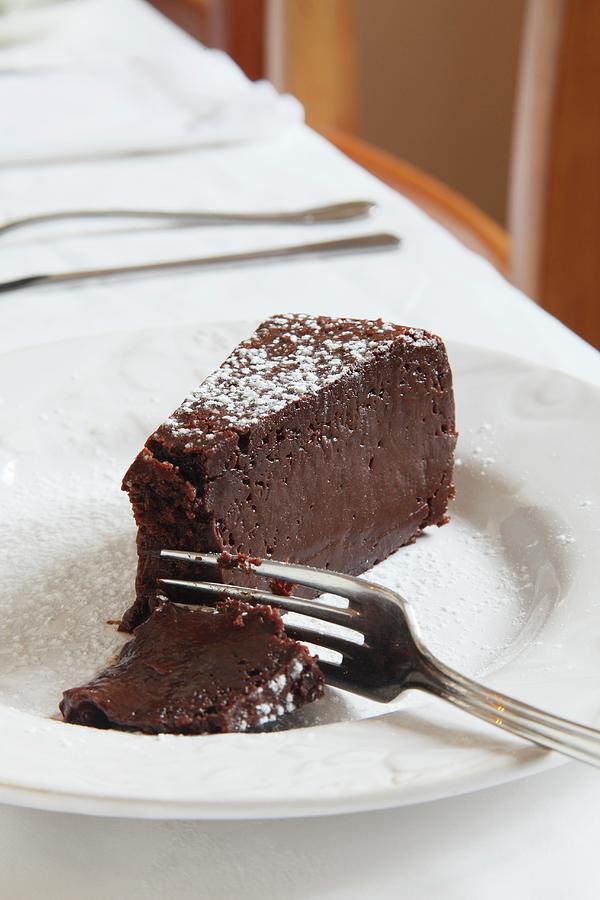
(530, 839)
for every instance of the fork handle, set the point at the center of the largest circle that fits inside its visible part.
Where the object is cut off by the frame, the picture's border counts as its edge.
(521, 719)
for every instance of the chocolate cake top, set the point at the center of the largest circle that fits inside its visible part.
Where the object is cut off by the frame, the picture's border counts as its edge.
(287, 357)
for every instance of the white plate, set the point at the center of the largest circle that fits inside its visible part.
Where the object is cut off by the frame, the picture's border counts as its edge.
(507, 591)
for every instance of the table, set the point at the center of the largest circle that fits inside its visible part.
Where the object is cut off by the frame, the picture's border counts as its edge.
(533, 838)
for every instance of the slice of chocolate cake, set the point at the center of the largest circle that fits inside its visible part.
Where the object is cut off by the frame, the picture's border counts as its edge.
(198, 672)
(327, 442)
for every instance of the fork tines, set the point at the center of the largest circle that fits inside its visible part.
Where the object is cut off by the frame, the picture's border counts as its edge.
(324, 582)
(196, 592)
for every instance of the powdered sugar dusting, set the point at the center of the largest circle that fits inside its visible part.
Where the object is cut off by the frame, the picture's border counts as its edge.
(70, 564)
(288, 357)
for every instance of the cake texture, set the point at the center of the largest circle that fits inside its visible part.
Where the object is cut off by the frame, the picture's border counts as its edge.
(321, 441)
(199, 672)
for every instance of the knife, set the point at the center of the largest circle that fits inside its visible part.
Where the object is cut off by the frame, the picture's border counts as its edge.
(363, 243)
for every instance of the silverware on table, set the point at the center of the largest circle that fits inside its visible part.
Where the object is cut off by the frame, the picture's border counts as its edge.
(336, 212)
(386, 655)
(364, 243)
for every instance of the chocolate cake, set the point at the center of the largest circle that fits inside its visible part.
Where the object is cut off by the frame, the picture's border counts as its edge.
(321, 441)
(199, 672)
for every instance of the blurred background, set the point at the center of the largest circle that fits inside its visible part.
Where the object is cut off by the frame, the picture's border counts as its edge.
(433, 81)
(485, 114)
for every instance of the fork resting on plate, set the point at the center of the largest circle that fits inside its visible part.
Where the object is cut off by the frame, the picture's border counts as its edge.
(383, 654)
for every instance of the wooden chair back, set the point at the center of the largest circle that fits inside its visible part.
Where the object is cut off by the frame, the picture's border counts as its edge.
(554, 201)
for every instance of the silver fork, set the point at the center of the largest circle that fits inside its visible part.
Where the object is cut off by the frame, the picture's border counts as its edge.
(335, 212)
(383, 653)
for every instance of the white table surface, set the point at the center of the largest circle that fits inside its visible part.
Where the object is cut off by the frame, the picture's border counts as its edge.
(532, 838)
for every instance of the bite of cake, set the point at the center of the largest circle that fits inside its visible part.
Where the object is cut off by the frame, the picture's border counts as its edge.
(199, 672)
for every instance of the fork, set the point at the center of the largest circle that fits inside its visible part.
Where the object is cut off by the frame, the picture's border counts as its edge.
(335, 212)
(380, 651)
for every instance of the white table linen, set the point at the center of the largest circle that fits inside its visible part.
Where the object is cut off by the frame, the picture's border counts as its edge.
(530, 839)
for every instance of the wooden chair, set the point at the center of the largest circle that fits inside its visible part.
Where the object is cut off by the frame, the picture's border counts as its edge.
(550, 250)
(554, 196)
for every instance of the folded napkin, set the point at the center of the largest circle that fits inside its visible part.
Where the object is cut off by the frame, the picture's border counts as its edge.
(136, 105)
